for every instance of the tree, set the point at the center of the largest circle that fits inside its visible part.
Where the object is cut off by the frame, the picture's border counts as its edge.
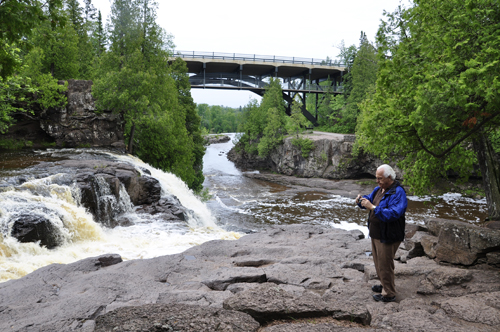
(17, 21)
(363, 75)
(82, 27)
(60, 50)
(437, 98)
(264, 125)
(98, 38)
(192, 120)
(134, 78)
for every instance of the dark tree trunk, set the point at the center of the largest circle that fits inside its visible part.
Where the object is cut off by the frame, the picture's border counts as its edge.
(131, 139)
(490, 171)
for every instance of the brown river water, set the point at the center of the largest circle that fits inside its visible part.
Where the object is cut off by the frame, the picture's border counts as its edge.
(252, 204)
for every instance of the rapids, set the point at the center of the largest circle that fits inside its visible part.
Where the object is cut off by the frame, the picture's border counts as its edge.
(49, 196)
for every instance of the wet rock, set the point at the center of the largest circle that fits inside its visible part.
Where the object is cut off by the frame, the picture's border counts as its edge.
(170, 208)
(33, 228)
(108, 260)
(186, 318)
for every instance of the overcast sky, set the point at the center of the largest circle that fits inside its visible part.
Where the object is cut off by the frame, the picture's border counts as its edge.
(309, 29)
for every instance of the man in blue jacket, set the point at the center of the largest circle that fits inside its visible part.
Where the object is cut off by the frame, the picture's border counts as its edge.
(386, 224)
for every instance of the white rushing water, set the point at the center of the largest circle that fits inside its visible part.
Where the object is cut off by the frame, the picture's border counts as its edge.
(82, 237)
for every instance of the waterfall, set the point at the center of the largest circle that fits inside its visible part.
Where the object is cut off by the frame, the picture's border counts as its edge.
(56, 199)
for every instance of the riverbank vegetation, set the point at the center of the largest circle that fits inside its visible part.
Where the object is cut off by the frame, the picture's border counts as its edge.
(435, 106)
(42, 42)
(217, 119)
(265, 125)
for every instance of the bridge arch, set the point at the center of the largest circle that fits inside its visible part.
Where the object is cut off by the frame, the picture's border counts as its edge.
(233, 71)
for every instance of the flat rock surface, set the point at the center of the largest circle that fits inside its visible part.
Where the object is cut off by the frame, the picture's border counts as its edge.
(285, 278)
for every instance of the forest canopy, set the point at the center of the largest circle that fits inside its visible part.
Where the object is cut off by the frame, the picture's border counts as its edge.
(42, 42)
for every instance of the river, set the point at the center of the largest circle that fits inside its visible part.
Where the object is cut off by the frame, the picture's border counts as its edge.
(249, 203)
(238, 205)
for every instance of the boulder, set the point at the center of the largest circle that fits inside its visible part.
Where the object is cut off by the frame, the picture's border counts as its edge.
(34, 228)
(108, 189)
(462, 243)
(215, 139)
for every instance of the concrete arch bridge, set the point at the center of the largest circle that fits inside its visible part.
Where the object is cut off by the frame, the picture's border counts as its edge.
(300, 77)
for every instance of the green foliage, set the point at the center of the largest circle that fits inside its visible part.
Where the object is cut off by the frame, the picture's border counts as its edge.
(134, 78)
(263, 125)
(19, 92)
(306, 145)
(339, 113)
(219, 119)
(59, 47)
(297, 122)
(17, 21)
(437, 88)
(192, 120)
(12, 144)
(273, 132)
(47, 92)
(495, 140)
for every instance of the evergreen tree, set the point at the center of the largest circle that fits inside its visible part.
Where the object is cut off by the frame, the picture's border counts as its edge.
(437, 93)
(362, 81)
(98, 37)
(81, 27)
(17, 21)
(192, 119)
(59, 46)
(264, 126)
(134, 78)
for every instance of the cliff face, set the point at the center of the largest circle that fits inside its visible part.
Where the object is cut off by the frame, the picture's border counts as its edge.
(75, 125)
(331, 158)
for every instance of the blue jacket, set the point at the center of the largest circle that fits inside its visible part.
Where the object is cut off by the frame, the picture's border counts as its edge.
(391, 212)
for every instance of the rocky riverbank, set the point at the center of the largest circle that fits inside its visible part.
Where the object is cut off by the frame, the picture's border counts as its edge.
(216, 138)
(75, 125)
(331, 158)
(286, 278)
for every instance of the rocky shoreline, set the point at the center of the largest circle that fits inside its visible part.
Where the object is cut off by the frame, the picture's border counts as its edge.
(216, 138)
(285, 278)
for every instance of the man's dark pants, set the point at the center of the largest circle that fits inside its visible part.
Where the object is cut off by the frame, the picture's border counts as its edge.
(383, 257)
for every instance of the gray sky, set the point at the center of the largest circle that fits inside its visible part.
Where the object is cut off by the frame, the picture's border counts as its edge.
(265, 27)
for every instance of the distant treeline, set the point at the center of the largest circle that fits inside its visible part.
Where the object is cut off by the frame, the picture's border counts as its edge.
(217, 119)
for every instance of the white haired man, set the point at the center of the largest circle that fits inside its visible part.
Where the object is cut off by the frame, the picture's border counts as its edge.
(386, 224)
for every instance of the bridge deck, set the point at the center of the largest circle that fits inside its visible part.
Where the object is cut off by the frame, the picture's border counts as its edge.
(258, 65)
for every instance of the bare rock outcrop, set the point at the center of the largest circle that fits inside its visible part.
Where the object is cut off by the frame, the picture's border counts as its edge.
(330, 158)
(453, 242)
(285, 278)
(74, 125)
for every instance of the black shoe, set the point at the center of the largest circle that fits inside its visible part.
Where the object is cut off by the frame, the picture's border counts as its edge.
(377, 288)
(381, 298)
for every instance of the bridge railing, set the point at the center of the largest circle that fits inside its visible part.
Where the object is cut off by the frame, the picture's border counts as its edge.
(255, 57)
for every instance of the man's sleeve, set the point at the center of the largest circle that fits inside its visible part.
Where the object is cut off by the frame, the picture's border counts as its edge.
(395, 209)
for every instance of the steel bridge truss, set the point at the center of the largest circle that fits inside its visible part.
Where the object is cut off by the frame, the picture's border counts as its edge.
(300, 77)
(293, 87)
